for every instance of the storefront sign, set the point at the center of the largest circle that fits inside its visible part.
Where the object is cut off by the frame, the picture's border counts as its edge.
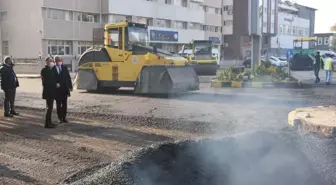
(214, 40)
(159, 35)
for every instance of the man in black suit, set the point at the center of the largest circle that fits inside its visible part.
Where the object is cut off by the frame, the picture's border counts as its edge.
(48, 77)
(63, 88)
(9, 83)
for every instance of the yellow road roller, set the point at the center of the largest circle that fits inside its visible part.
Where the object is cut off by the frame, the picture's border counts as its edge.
(199, 54)
(127, 60)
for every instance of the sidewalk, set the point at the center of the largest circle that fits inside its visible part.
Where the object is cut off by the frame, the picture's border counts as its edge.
(321, 120)
(308, 77)
(38, 75)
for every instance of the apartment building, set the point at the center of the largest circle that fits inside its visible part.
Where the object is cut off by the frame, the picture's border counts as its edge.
(3, 16)
(64, 27)
(242, 19)
(324, 41)
(294, 21)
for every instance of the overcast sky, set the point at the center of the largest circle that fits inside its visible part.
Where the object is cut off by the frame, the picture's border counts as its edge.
(325, 14)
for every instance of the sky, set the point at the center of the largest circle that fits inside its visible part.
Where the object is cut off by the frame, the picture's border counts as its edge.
(325, 14)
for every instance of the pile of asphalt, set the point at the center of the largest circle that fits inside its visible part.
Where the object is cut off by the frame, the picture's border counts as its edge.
(260, 158)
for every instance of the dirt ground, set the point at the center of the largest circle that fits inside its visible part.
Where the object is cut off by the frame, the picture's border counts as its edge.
(30, 154)
(103, 127)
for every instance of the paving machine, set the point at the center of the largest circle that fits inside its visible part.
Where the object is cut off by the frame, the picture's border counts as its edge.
(304, 50)
(127, 60)
(201, 57)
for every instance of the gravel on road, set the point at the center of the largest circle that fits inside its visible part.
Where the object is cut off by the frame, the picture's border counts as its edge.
(124, 122)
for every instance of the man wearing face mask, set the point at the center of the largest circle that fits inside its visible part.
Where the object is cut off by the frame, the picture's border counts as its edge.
(9, 83)
(48, 77)
(63, 88)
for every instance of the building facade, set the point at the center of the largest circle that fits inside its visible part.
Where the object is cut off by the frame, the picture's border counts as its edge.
(324, 41)
(65, 27)
(294, 21)
(238, 22)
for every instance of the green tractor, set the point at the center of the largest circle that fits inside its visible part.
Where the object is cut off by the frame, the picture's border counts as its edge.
(303, 59)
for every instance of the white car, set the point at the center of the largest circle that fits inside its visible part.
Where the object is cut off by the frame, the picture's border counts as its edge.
(275, 61)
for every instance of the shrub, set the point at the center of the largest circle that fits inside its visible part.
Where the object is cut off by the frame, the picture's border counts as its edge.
(264, 72)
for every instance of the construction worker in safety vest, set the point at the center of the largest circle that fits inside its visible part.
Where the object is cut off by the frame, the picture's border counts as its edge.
(328, 67)
(318, 63)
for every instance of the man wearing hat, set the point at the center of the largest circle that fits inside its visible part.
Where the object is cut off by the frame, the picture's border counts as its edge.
(9, 83)
(48, 77)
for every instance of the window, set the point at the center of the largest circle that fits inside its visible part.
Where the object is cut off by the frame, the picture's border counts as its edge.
(163, 23)
(289, 30)
(294, 31)
(211, 28)
(228, 23)
(319, 41)
(326, 40)
(118, 18)
(228, 9)
(218, 11)
(194, 26)
(281, 29)
(285, 29)
(59, 47)
(211, 10)
(88, 17)
(83, 46)
(182, 3)
(3, 16)
(113, 38)
(5, 48)
(50, 13)
(195, 5)
(180, 25)
(300, 32)
(165, 1)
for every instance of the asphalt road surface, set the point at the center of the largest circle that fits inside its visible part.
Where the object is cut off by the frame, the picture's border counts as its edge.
(228, 112)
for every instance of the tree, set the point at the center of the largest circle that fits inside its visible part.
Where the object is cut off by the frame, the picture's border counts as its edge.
(333, 28)
(333, 41)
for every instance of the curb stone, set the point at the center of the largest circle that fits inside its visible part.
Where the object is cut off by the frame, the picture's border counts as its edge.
(239, 84)
(303, 125)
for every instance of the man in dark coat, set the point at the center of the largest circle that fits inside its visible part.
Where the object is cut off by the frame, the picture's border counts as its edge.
(63, 88)
(318, 63)
(48, 77)
(9, 83)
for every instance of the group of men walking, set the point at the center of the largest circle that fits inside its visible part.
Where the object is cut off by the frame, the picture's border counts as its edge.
(326, 64)
(57, 84)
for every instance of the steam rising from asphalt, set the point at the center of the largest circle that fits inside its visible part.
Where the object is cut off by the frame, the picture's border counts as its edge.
(257, 159)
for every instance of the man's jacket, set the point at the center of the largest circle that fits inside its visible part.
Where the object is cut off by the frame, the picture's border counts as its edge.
(8, 78)
(318, 62)
(64, 79)
(48, 77)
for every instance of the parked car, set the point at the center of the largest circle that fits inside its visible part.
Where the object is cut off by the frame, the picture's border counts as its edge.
(272, 59)
(275, 61)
